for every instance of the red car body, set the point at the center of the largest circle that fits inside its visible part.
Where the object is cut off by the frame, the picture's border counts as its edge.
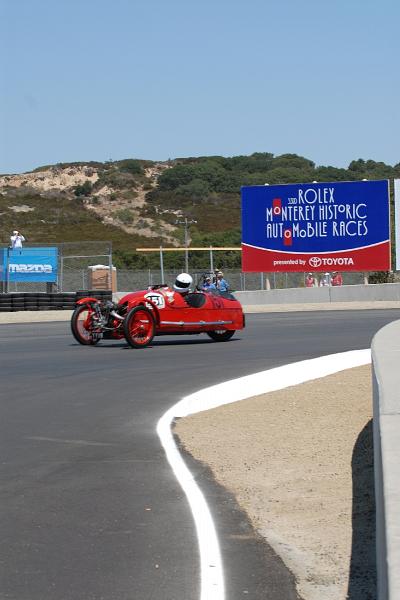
(159, 310)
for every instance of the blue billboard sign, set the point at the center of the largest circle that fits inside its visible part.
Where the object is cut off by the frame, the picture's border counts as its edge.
(310, 227)
(30, 264)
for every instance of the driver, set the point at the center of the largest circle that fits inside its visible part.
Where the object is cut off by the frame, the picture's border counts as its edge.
(177, 294)
(182, 283)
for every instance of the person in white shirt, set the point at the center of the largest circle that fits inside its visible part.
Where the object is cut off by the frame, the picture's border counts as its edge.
(325, 281)
(16, 240)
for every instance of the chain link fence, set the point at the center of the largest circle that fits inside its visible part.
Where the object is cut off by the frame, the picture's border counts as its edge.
(75, 260)
(239, 281)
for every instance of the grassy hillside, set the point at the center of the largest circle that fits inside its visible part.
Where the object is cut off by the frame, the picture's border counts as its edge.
(136, 203)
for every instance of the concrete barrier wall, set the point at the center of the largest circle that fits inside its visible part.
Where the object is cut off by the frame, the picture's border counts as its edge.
(386, 399)
(346, 293)
(287, 296)
(367, 293)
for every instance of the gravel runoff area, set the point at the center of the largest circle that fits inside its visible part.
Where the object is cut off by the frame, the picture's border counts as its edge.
(301, 468)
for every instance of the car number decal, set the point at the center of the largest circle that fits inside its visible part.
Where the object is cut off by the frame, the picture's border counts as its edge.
(157, 299)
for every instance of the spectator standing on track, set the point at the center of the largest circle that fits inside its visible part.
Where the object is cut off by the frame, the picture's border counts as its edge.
(310, 280)
(16, 240)
(221, 284)
(337, 279)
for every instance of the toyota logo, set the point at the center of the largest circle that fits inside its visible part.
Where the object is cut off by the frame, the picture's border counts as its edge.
(315, 261)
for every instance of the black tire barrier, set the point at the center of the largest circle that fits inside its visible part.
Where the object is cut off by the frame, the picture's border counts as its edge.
(16, 301)
(30, 297)
(30, 301)
(92, 291)
(11, 302)
(100, 294)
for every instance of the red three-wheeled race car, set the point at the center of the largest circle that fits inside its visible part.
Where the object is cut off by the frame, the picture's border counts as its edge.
(158, 310)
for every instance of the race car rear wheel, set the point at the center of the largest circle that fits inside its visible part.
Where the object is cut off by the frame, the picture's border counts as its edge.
(139, 327)
(81, 326)
(220, 335)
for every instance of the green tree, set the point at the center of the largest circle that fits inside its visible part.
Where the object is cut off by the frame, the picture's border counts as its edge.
(196, 190)
(171, 179)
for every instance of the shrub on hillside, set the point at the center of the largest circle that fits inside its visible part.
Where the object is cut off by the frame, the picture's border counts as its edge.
(124, 215)
(131, 166)
(116, 179)
(84, 189)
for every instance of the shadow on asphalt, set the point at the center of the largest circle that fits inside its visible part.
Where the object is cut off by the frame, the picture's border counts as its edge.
(362, 577)
(122, 344)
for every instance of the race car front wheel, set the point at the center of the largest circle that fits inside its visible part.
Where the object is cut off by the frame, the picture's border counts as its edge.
(82, 326)
(221, 335)
(139, 327)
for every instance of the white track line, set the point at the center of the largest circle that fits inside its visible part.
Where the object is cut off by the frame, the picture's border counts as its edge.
(211, 572)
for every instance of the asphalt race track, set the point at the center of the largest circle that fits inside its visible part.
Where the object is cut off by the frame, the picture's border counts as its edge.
(89, 507)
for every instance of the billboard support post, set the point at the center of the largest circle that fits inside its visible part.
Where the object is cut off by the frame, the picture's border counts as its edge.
(211, 260)
(397, 221)
(7, 287)
(61, 273)
(162, 264)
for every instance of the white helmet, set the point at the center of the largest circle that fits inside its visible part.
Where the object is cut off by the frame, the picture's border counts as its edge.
(183, 283)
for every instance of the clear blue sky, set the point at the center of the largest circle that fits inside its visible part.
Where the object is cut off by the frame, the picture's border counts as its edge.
(96, 80)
